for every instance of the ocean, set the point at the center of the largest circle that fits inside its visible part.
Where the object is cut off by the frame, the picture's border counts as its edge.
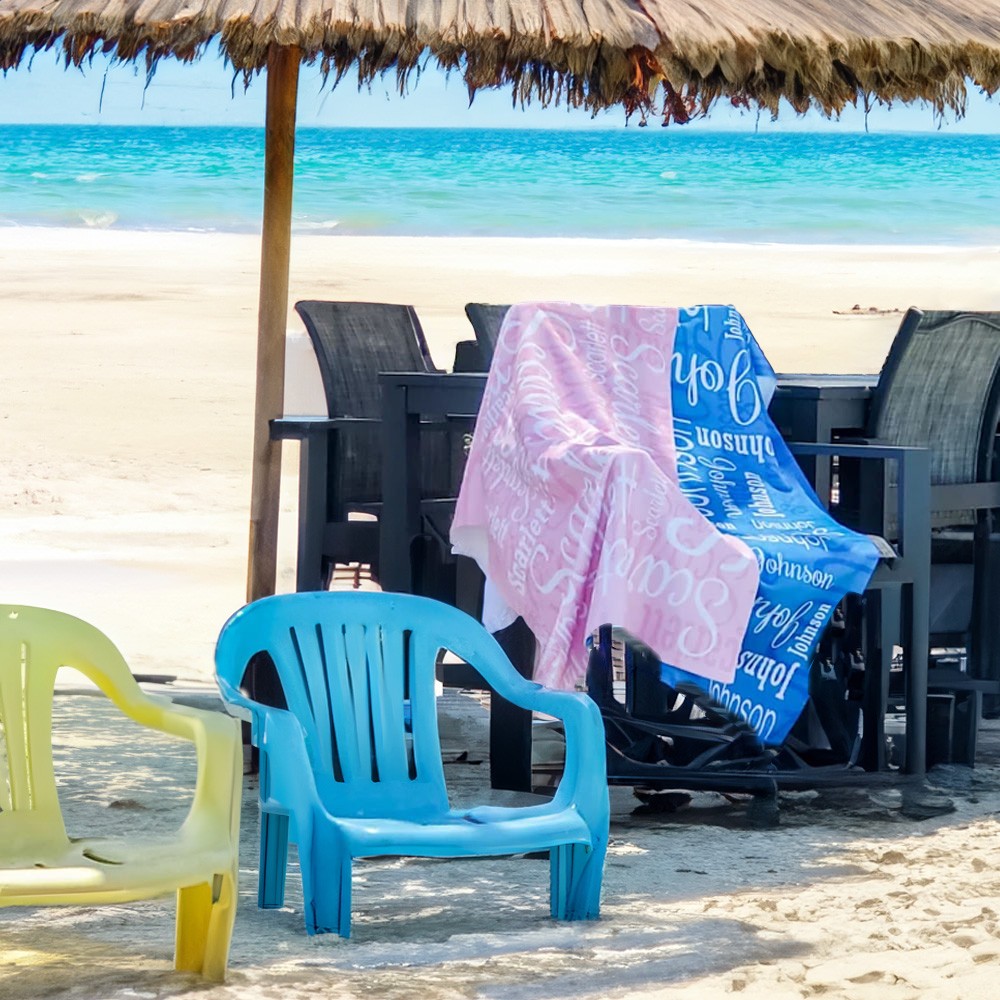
(803, 187)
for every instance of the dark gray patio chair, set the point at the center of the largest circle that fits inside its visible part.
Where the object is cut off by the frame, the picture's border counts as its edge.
(354, 341)
(486, 320)
(940, 388)
(340, 462)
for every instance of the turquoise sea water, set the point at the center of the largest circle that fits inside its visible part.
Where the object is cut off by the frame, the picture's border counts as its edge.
(791, 187)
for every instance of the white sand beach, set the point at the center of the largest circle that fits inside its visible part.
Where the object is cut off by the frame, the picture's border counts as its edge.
(126, 395)
(847, 898)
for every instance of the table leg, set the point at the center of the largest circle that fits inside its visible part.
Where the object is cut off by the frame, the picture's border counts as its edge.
(510, 726)
(915, 612)
(915, 537)
(816, 427)
(313, 452)
(400, 516)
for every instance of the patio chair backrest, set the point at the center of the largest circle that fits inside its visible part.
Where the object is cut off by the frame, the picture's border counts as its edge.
(939, 387)
(30, 657)
(356, 681)
(486, 320)
(35, 643)
(354, 341)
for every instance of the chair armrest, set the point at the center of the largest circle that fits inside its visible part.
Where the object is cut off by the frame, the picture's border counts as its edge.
(218, 787)
(290, 770)
(219, 784)
(308, 427)
(913, 508)
(944, 496)
(301, 428)
(581, 718)
(586, 755)
(216, 804)
(291, 783)
(584, 782)
(965, 496)
(859, 449)
(241, 707)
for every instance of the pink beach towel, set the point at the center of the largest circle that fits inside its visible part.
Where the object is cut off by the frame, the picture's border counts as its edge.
(570, 502)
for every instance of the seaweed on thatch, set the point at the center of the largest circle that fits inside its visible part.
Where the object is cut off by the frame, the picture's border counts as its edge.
(677, 57)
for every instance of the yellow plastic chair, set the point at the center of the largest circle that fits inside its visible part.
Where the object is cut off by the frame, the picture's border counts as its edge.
(40, 865)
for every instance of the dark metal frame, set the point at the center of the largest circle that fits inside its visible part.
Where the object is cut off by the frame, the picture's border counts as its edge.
(908, 573)
(826, 405)
(316, 534)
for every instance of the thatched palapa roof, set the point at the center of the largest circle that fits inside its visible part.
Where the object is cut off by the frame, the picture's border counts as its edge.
(678, 55)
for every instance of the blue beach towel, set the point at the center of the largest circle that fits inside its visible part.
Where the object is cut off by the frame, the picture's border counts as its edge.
(735, 468)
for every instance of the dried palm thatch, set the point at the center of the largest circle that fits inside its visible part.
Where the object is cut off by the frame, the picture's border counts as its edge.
(678, 56)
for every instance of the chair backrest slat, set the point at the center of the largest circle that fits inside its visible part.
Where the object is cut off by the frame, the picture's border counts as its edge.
(293, 654)
(29, 662)
(386, 651)
(312, 647)
(356, 664)
(16, 783)
(6, 784)
(426, 741)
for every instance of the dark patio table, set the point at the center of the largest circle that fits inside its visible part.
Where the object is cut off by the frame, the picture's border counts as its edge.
(809, 408)
(408, 398)
(816, 409)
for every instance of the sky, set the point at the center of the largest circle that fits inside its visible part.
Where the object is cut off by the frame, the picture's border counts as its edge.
(205, 93)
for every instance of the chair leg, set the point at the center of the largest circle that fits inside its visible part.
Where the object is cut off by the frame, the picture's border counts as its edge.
(326, 891)
(575, 877)
(273, 860)
(205, 917)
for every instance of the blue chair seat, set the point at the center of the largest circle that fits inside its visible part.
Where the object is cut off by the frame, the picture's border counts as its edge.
(465, 834)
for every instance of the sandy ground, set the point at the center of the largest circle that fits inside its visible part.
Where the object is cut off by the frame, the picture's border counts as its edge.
(847, 898)
(126, 393)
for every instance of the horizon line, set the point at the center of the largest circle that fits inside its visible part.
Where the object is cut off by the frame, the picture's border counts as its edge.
(478, 127)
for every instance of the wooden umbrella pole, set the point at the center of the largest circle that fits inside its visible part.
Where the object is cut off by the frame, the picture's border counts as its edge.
(276, 236)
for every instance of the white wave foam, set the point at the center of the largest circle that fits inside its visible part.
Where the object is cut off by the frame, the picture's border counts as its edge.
(102, 220)
(317, 226)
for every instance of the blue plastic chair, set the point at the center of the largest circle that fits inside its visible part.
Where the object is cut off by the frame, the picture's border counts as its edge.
(341, 776)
